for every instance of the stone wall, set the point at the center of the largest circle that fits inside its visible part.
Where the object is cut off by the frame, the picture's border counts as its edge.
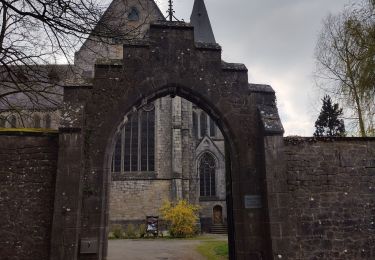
(27, 184)
(322, 198)
(136, 199)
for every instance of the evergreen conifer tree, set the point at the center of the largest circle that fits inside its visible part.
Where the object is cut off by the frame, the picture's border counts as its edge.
(328, 122)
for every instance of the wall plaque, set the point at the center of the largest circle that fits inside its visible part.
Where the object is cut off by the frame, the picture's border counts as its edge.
(253, 201)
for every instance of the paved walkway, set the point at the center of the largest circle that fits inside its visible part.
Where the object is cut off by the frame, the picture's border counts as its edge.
(150, 249)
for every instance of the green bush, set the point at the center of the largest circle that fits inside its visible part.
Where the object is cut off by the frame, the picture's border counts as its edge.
(117, 232)
(130, 231)
(142, 230)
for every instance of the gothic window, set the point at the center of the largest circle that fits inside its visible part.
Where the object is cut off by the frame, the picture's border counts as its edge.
(207, 169)
(117, 157)
(47, 121)
(133, 14)
(212, 128)
(135, 148)
(203, 124)
(36, 119)
(195, 125)
(2, 122)
(13, 121)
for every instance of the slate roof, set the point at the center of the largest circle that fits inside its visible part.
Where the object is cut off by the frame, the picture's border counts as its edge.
(49, 79)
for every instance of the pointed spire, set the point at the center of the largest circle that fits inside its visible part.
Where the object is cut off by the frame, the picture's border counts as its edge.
(201, 22)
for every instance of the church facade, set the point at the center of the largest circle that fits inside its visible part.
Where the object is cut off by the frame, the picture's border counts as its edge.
(168, 150)
(286, 198)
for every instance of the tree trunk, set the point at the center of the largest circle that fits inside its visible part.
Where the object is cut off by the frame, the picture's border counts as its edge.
(361, 123)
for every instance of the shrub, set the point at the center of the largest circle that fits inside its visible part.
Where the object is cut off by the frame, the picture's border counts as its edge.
(142, 230)
(181, 218)
(117, 232)
(130, 231)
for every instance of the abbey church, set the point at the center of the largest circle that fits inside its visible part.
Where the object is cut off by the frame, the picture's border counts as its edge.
(167, 150)
(118, 138)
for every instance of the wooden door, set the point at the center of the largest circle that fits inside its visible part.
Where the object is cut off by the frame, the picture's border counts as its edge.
(218, 215)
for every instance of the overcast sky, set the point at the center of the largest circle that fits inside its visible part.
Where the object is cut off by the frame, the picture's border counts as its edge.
(275, 39)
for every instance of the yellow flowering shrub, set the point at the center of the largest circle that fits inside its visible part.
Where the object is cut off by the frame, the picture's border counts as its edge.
(181, 218)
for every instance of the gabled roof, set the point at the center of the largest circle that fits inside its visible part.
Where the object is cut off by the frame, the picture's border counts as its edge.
(207, 144)
(201, 22)
(118, 29)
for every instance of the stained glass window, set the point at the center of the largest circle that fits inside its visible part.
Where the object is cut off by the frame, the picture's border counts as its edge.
(13, 121)
(47, 120)
(195, 125)
(36, 121)
(137, 145)
(207, 169)
(203, 123)
(212, 128)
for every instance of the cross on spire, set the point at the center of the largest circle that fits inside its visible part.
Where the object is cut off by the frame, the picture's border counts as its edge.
(171, 11)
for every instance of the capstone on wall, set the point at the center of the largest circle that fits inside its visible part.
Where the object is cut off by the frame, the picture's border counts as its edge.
(322, 204)
(28, 164)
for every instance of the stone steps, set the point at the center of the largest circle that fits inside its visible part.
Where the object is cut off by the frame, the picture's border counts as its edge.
(219, 229)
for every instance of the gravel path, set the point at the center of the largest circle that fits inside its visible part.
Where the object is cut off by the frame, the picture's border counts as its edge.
(149, 249)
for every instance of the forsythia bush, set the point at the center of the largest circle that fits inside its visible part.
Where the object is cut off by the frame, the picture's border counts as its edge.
(181, 217)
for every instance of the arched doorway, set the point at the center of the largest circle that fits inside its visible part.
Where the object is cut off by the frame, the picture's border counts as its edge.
(217, 216)
(170, 63)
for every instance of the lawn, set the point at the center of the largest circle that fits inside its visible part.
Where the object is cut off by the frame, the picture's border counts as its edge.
(214, 250)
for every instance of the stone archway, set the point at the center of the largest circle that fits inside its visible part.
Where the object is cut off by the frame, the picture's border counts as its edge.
(169, 63)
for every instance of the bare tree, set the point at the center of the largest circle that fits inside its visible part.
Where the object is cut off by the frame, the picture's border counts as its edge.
(36, 36)
(345, 63)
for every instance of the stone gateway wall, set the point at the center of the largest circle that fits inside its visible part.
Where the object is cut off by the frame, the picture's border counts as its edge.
(27, 184)
(322, 206)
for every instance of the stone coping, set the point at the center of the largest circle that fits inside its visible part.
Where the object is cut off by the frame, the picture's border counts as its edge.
(294, 140)
(261, 88)
(173, 24)
(233, 66)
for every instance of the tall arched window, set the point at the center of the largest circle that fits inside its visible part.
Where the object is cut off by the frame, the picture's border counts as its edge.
(195, 125)
(212, 128)
(203, 124)
(13, 121)
(47, 121)
(135, 147)
(2, 122)
(207, 169)
(36, 120)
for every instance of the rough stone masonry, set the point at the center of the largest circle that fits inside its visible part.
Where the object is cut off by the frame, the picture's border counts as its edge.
(28, 164)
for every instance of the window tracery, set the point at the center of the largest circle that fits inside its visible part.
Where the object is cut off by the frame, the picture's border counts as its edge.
(135, 148)
(207, 170)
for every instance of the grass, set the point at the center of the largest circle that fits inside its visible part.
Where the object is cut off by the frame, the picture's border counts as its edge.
(214, 250)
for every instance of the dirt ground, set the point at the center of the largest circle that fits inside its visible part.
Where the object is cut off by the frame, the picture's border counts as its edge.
(150, 249)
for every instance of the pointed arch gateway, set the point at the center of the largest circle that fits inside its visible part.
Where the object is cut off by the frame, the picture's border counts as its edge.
(169, 63)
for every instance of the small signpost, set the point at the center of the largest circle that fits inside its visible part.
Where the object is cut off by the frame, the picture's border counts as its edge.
(152, 225)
